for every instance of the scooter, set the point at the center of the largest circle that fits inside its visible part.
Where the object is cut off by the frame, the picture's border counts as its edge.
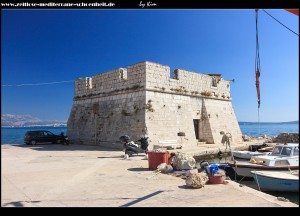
(64, 139)
(132, 148)
(67, 140)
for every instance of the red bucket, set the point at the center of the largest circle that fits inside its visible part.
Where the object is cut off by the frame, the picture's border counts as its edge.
(156, 158)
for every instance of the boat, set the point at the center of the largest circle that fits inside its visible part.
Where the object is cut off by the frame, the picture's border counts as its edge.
(276, 181)
(229, 171)
(246, 154)
(283, 158)
(265, 149)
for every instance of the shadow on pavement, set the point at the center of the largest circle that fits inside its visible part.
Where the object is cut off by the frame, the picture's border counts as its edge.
(17, 203)
(60, 147)
(138, 169)
(141, 199)
(110, 157)
(185, 187)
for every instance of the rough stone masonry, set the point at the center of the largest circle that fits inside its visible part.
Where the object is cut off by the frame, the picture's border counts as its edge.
(143, 100)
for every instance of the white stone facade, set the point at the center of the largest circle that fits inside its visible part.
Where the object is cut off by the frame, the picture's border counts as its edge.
(143, 99)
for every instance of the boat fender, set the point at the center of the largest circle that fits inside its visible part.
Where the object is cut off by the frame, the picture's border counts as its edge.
(282, 199)
(260, 162)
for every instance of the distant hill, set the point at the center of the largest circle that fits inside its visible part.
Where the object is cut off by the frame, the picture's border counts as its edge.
(10, 120)
(290, 122)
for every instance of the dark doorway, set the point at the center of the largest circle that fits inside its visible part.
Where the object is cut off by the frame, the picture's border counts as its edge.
(196, 127)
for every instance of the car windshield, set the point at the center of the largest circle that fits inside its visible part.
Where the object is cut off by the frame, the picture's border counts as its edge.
(283, 150)
(48, 133)
(286, 151)
(277, 150)
(296, 151)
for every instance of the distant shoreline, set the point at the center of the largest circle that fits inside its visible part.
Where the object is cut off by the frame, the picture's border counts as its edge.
(65, 125)
(34, 126)
(290, 122)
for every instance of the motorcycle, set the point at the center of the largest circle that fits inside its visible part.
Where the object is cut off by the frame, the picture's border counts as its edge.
(132, 148)
(64, 139)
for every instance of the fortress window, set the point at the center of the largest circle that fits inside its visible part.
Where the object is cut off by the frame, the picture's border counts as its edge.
(175, 74)
(214, 81)
(95, 108)
(122, 74)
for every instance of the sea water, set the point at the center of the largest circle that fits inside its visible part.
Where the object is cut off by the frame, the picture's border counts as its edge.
(269, 129)
(16, 135)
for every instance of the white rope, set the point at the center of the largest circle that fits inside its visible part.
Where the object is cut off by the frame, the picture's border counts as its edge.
(184, 157)
(156, 172)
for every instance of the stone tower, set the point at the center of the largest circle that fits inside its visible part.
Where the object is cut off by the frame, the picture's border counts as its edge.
(144, 100)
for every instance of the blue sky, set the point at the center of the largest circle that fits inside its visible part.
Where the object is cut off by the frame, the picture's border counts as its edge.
(44, 46)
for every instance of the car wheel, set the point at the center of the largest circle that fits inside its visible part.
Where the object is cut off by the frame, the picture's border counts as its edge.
(27, 143)
(33, 142)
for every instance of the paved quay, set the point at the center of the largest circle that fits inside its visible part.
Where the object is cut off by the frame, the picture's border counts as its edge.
(92, 176)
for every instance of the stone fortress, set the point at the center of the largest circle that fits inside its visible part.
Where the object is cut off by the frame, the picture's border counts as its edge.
(143, 100)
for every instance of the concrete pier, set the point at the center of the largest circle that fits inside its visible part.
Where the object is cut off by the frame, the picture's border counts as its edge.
(92, 176)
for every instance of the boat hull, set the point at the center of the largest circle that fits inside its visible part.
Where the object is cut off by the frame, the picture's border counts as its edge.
(246, 154)
(244, 169)
(276, 181)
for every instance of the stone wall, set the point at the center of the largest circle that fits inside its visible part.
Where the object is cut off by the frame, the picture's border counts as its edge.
(153, 76)
(186, 82)
(172, 113)
(102, 120)
(143, 99)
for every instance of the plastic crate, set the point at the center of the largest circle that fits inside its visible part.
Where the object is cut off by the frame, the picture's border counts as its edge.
(156, 158)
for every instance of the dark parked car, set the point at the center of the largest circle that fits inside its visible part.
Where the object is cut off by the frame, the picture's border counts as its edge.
(40, 136)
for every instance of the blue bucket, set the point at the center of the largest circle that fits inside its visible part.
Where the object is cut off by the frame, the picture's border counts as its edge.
(213, 168)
